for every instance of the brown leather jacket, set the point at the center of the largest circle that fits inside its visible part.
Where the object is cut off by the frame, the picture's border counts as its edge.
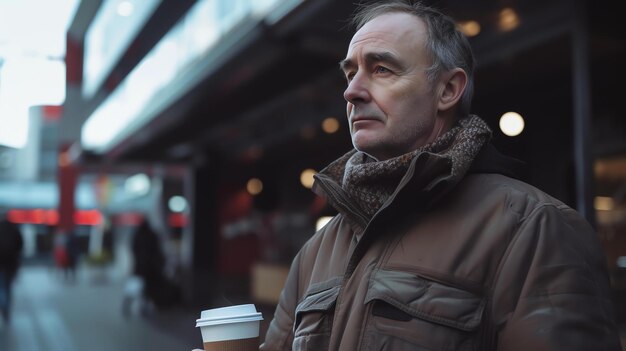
(494, 264)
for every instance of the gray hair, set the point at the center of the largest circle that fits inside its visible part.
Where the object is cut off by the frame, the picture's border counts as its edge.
(447, 46)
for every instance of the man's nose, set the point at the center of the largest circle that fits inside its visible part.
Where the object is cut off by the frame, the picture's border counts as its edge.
(357, 90)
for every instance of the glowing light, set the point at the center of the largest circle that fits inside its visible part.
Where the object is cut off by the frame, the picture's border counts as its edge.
(177, 203)
(508, 19)
(322, 221)
(51, 216)
(177, 220)
(470, 28)
(306, 178)
(137, 185)
(511, 124)
(254, 186)
(603, 203)
(330, 125)
(88, 217)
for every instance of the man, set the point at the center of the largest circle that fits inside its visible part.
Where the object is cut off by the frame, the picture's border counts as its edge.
(434, 246)
(10, 254)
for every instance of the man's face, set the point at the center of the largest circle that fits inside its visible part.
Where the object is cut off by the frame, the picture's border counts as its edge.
(392, 108)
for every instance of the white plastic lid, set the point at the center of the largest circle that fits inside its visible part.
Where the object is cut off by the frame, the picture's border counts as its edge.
(230, 314)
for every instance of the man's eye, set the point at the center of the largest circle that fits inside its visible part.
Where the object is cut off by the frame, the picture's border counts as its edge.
(381, 69)
(349, 76)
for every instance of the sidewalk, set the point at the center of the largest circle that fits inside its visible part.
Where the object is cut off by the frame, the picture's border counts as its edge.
(51, 314)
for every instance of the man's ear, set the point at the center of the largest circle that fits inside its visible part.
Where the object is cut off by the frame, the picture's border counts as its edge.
(453, 85)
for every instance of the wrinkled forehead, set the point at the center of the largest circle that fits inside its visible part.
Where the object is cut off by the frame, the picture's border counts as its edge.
(398, 32)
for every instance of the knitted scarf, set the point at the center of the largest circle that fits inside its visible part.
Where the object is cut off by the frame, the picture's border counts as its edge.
(370, 182)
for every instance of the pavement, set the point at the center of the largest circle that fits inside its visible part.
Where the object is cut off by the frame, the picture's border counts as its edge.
(53, 313)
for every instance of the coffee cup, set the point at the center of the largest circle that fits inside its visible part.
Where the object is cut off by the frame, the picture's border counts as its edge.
(233, 328)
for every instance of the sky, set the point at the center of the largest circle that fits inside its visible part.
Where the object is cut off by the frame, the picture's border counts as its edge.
(32, 67)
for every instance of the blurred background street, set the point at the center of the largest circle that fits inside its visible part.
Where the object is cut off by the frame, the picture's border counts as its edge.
(52, 313)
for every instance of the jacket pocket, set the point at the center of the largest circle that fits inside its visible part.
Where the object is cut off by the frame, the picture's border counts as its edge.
(314, 316)
(410, 312)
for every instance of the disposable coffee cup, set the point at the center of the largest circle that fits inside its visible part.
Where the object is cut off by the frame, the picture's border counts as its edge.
(233, 328)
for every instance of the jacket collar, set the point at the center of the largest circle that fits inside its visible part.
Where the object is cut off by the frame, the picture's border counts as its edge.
(422, 175)
(490, 160)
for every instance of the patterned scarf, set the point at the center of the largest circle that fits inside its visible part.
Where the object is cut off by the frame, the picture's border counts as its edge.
(370, 183)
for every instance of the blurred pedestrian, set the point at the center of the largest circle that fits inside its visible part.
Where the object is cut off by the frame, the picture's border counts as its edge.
(11, 243)
(66, 254)
(149, 267)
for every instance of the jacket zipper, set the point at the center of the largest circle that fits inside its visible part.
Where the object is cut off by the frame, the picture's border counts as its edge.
(337, 194)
